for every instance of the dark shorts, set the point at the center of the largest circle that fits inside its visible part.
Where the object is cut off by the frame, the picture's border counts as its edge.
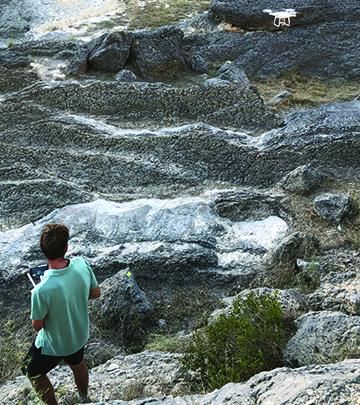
(36, 364)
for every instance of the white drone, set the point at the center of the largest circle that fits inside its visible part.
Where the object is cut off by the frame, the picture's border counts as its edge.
(281, 17)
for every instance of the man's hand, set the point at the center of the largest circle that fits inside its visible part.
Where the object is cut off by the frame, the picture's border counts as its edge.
(94, 293)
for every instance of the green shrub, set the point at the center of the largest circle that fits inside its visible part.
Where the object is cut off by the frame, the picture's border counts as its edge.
(237, 346)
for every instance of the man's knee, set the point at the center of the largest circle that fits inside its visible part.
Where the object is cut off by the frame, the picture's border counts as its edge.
(78, 367)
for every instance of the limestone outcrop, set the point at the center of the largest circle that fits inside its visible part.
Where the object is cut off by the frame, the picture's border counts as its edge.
(170, 187)
(250, 16)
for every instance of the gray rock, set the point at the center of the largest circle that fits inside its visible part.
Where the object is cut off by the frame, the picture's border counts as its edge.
(30, 199)
(241, 205)
(41, 121)
(250, 15)
(198, 64)
(157, 103)
(158, 52)
(204, 22)
(22, 54)
(232, 72)
(308, 50)
(302, 180)
(215, 82)
(14, 80)
(164, 242)
(279, 98)
(156, 373)
(335, 208)
(111, 51)
(121, 303)
(337, 292)
(125, 76)
(78, 64)
(295, 246)
(323, 337)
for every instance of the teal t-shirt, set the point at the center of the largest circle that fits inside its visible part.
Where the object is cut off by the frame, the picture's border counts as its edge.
(61, 300)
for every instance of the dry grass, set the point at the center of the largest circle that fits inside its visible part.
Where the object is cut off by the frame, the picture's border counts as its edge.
(307, 92)
(305, 219)
(15, 340)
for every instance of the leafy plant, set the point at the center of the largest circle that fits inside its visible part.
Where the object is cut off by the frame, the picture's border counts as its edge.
(237, 346)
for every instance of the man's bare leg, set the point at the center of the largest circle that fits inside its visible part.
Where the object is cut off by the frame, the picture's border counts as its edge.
(81, 377)
(44, 389)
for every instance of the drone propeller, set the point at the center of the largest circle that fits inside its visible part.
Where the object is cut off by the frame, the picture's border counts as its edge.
(267, 10)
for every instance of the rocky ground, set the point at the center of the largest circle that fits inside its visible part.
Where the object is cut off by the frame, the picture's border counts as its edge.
(179, 184)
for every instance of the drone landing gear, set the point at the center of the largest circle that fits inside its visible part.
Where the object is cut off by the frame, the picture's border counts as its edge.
(281, 21)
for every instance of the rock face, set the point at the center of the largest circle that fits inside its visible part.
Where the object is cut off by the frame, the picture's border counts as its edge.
(337, 292)
(174, 187)
(323, 337)
(177, 242)
(335, 207)
(249, 15)
(156, 163)
(334, 383)
(303, 49)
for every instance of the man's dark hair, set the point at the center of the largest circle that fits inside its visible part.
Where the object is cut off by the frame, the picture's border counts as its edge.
(54, 240)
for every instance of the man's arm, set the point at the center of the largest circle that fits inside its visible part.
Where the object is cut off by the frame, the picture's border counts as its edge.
(94, 293)
(37, 324)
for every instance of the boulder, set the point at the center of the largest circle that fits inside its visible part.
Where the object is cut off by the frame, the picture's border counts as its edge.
(279, 98)
(232, 72)
(13, 21)
(323, 337)
(111, 51)
(125, 76)
(337, 292)
(295, 246)
(78, 64)
(307, 131)
(249, 15)
(198, 64)
(121, 302)
(301, 180)
(158, 52)
(335, 208)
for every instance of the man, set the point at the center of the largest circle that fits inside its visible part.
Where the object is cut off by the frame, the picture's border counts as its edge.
(59, 313)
